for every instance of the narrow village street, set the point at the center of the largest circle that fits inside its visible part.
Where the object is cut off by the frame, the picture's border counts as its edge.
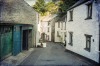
(53, 54)
(49, 32)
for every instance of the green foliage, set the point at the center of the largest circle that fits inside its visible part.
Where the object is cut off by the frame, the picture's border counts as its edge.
(40, 6)
(57, 6)
(44, 8)
(64, 5)
(51, 7)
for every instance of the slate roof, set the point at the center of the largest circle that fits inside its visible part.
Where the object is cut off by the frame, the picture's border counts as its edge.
(98, 9)
(79, 3)
(17, 12)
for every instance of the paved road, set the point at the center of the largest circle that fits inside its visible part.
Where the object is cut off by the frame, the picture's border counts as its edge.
(53, 55)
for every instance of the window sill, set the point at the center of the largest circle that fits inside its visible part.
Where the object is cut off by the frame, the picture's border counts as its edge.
(88, 18)
(70, 20)
(70, 44)
(87, 49)
(58, 35)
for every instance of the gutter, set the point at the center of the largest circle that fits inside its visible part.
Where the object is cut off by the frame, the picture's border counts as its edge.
(79, 3)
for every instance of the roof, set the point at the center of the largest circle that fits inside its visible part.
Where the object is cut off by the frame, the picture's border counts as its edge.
(61, 19)
(98, 9)
(16, 11)
(79, 3)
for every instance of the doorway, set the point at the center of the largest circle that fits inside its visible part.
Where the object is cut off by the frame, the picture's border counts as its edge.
(25, 40)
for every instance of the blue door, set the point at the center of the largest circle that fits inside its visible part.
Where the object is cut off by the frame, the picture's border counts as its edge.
(16, 40)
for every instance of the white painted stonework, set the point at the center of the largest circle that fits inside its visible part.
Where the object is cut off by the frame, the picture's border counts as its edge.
(44, 28)
(79, 26)
(62, 32)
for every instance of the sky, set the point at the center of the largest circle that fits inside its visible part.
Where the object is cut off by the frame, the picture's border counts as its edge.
(32, 2)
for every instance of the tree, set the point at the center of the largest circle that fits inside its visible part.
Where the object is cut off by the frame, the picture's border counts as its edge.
(51, 7)
(64, 5)
(40, 6)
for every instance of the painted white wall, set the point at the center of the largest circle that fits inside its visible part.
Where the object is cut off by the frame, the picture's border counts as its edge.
(79, 26)
(44, 28)
(38, 29)
(57, 39)
(61, 31)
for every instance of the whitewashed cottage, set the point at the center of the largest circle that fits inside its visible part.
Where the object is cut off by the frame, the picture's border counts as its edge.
(83, 29)
(60, 30)
(46, 26)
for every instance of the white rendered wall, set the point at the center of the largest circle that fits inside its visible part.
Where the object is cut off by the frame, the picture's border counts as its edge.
(57, 39)
(79, 26)
(61, 31)
(44, 28)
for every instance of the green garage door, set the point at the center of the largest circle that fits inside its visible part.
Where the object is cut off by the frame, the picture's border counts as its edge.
(5, 41)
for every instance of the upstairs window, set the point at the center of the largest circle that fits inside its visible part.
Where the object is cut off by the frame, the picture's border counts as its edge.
(71, 15)
(48, 37)
(58, 34)
(88, 42)
(89, 11)
(62, 25)
(58, 24)
(71, 38)
(65, 21)
(48, 23)
(48, 29)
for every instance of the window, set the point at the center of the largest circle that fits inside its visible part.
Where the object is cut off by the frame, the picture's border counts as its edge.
(71, 38)
(48, 37)
(58, 24)
(58, 34)
(65, 25)
(65, 33)
(65, 21)
(48, 29)
(5, 29)
(88, 42)
(89, 11)
(62, 26)
(48, 23)
(71, 15)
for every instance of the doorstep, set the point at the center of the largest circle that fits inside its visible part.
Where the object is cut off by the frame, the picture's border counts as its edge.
(16, 60)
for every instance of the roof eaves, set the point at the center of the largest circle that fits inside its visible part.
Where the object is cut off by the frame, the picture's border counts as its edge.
(78, 3)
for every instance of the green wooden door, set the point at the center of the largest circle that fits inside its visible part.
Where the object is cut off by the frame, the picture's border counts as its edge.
(5, 41)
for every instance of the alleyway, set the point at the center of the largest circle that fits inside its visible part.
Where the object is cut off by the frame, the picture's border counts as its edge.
(53, 54)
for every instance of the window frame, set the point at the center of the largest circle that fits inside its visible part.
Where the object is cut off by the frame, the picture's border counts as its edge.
(71, 15)
(88, 40)
(48, 23)
(89, 11)
(48, 29)
(58, 24)
(61, 25)
(58, 34)
(70, 38)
